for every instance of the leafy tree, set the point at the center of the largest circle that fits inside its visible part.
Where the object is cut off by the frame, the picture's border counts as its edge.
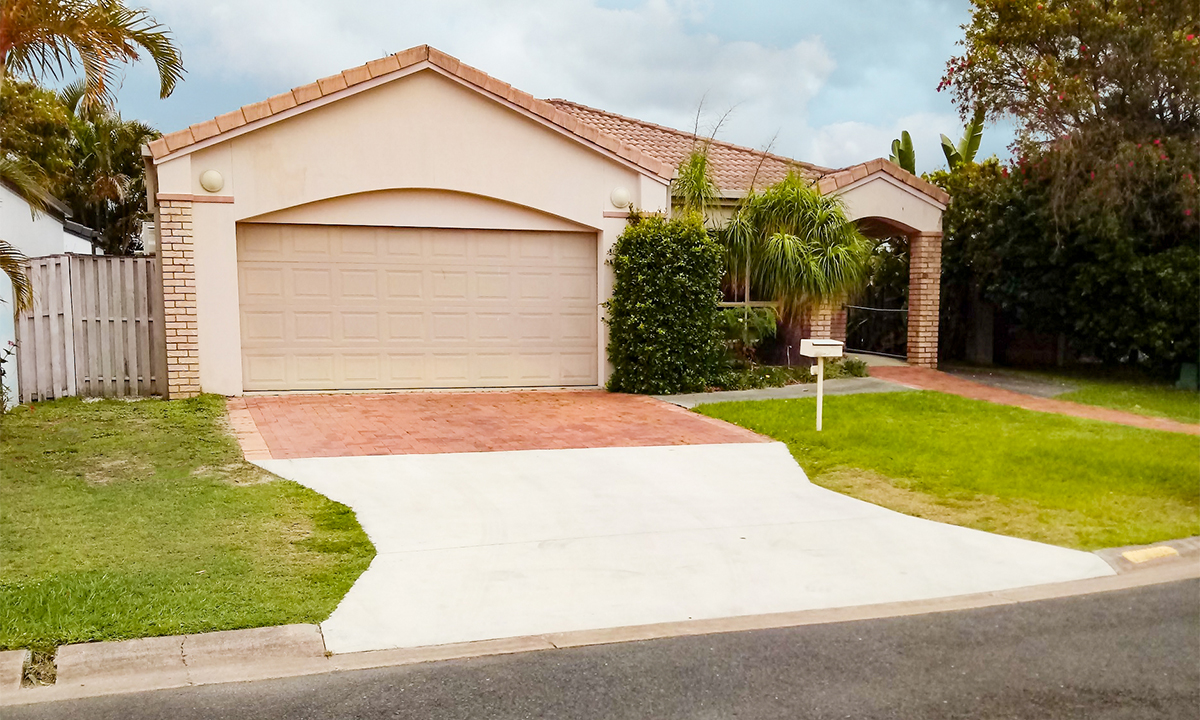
(1061, 66)
(39, 37)
(1118, 274)
(1092, 233)
(33, 126)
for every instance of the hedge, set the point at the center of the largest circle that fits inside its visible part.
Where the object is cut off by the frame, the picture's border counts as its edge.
(662, 315)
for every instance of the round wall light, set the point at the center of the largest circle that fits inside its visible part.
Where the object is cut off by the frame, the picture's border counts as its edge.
(620, 198)
(212, 181)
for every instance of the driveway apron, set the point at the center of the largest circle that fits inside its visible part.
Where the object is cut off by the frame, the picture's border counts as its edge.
(703, 521)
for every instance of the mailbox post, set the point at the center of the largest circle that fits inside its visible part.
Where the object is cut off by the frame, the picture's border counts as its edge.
(820, 349)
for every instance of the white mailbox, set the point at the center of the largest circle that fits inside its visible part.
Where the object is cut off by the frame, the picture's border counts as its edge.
(820, 348)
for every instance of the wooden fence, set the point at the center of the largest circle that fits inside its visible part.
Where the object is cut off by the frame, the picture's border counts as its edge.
(96, 329)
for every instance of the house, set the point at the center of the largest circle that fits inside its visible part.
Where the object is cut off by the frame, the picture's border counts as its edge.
(35, 235)
(416, 223)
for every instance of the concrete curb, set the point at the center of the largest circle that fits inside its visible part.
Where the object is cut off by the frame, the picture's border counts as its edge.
(94, 669)
(12, 669)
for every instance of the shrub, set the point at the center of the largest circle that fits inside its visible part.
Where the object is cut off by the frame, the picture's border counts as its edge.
(764, 376)
(662, 315)
(1096, 244)
(744, 332)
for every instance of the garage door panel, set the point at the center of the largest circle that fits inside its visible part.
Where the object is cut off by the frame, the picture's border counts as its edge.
(315, 326)
(342, 308)
(362, 368)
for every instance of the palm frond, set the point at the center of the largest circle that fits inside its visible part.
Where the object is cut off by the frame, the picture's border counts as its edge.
(13, 264)
(54, 36)
(26, 179)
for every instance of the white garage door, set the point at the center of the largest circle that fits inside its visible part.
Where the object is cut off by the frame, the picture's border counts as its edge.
(330, 307)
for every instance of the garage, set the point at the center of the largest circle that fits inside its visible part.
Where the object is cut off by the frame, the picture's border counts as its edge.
(341, 307)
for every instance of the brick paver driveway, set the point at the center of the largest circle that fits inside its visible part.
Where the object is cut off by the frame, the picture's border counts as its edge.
(307, 426)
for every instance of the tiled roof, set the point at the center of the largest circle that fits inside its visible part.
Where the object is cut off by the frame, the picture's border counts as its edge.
(734, 168)
(653, 148)
(837, 179)
(312, 92)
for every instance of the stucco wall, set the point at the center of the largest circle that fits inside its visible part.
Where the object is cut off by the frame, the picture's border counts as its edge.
(881, 196)
(423, 131)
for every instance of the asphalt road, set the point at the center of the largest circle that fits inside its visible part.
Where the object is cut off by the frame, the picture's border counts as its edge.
(1127, 654)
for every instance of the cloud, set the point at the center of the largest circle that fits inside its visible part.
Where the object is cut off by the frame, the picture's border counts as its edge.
(846, 143)
(648, 61)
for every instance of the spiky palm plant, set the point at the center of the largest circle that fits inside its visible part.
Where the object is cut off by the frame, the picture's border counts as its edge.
(52, 36)
(798, 248)
(693, 190)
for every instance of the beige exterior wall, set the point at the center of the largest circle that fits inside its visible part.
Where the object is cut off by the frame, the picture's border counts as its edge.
(472, 158)
(882, 196)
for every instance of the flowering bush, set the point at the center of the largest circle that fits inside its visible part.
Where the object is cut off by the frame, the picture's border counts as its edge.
(1101, 246)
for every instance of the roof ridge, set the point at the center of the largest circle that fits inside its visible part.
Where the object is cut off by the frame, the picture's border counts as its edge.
(694, 136)
(396, 63)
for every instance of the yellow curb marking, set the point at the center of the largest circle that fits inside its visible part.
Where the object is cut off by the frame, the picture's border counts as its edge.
(1150, 553)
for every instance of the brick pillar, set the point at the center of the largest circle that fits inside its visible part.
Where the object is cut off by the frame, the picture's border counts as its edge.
(821, 324)
(924, 298)
(837, 329)
(179, 298)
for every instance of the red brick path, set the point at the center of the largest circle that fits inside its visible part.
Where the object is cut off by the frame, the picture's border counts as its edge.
(927, 379)
(299, 426)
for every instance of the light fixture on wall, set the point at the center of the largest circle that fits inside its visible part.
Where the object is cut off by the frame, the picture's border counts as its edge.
(620, 198)
(212, 181)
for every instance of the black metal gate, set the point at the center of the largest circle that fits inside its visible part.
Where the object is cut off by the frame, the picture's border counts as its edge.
(878, 331)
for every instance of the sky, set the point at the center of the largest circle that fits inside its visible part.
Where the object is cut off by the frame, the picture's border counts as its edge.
(825, 81)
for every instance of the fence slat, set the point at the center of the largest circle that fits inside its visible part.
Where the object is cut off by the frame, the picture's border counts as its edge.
(42, 332)
(51, 294)
(131, 357)
(116, 312)
(158, 335)
(68, 324)
(91, 301)
(106, 340)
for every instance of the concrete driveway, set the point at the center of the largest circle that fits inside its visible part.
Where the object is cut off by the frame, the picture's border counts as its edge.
(484, 545)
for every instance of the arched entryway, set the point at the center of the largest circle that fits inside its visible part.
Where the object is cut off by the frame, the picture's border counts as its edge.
(887, 202)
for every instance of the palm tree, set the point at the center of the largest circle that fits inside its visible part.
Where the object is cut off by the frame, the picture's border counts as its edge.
(50, 36)
(797, 248)
(107, 188)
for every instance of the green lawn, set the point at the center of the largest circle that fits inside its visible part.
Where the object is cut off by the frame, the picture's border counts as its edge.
(131, 519)
(1117, 388)
(1072, 482)
(1154, 400)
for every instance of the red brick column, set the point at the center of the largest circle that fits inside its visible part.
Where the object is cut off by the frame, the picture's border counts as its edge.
(179, 298)
(837, 329)
(924, 298)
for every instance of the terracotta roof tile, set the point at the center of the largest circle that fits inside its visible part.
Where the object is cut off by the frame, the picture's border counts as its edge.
(355, 75)
(733, 166)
